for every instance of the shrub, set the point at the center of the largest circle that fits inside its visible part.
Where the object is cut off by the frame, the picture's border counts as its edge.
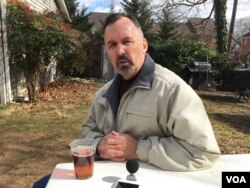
(179, 54)
(34, 40)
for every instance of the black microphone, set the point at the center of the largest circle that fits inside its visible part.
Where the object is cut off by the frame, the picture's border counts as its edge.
(132, 166)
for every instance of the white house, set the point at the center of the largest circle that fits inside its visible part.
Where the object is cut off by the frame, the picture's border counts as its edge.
(37, 5)
(5, 87)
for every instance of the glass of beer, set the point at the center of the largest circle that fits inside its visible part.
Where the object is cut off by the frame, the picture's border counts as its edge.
(82, 151)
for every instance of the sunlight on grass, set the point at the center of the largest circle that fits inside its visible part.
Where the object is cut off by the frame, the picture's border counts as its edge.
(60, 112)
(230, 119)
(36, 135)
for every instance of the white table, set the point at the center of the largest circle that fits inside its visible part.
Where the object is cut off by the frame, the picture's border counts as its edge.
(106, 173)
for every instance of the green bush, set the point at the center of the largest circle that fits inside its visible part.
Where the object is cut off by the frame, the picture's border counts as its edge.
(179, 54)
(34, 41)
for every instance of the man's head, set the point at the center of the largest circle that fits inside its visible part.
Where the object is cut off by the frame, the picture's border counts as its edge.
(125, 44)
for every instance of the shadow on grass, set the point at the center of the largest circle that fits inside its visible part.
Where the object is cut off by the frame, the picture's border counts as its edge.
(219, 98)
(239, 122)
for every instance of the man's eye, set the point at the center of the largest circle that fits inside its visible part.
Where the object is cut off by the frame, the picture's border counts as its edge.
(111, 45)
(127, 42)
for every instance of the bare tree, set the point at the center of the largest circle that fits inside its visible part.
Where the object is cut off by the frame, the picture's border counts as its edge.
(182, 8)
(242, 26)
(219, 9)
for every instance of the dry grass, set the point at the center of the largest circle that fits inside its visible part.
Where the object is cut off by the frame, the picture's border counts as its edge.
(34, 137)
(230, 119)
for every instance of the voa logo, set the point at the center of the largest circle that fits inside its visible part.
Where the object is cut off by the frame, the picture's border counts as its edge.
(236, 179)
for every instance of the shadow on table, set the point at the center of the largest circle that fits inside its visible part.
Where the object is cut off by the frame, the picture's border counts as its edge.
(42, 182)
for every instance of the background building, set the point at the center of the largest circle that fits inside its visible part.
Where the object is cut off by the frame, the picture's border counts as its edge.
(245, 49)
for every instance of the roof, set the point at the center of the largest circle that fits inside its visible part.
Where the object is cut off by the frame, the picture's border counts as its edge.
(196, 26)
(247, 34)
(97, 18)
(182, 28)
(202, 25)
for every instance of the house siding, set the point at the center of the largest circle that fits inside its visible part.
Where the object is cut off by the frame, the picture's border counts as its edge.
(42, 5)
(5, 86)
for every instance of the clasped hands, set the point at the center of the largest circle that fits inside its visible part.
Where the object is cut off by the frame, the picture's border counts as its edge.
(117, 147)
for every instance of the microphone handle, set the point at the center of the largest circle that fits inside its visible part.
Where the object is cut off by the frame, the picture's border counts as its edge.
(131, 177)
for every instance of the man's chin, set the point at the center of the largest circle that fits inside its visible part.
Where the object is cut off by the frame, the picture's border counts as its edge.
(127, 73)
(126, 76)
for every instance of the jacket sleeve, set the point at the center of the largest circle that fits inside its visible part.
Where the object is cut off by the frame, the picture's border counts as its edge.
(91, 125)
(189, 143)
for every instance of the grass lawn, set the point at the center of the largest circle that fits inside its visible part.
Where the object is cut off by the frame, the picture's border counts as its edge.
(34, 137)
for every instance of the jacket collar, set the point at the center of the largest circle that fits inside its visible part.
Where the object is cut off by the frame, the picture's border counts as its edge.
(144, 79)
(146, 74)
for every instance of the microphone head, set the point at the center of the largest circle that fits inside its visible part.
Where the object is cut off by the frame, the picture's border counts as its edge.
(132, 166)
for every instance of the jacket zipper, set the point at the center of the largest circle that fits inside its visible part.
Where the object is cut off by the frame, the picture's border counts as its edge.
(123, 101)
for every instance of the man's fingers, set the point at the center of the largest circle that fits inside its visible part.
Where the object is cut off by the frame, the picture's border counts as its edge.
(115, 133)
(113, 141)
(111, 153)
(115, 146)
(120, 159)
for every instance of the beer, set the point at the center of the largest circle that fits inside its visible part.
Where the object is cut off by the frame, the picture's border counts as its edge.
(83, 157)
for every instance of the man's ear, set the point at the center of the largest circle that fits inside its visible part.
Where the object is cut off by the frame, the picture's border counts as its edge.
(145, 45)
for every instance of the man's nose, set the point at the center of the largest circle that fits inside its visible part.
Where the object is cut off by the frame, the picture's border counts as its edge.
(120, 49)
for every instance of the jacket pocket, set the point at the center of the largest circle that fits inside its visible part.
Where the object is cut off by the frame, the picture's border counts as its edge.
(139, 112)
(139, 123)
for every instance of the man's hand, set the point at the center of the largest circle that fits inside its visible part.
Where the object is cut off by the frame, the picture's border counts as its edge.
(117, 147)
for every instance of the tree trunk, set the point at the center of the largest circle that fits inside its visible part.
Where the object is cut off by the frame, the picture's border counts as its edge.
(220, 7)
(231, 30)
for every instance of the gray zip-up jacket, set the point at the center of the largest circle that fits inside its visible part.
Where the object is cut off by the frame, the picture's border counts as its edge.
(163, 113)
